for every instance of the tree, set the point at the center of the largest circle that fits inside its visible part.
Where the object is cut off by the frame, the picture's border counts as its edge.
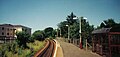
(108, 23)
(63, 28)
(54, 33)
(70, 22)
(70, 18)
(74, 29)
(22, 39)
(39, 35)
(49, 32)
(86, 31)
(102, 25)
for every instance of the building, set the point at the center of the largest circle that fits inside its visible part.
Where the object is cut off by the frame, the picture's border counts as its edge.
(19, 28)
(106, 41)
(8, 31)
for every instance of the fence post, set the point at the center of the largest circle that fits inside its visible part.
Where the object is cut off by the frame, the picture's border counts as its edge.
(86, 44)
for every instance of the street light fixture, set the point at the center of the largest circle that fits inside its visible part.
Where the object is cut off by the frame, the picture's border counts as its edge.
(86, 39)
(80, 31)
(68, 32)
(60, 32)
(57, 32)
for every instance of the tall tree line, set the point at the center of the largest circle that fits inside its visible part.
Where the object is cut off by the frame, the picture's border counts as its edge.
(73, 23)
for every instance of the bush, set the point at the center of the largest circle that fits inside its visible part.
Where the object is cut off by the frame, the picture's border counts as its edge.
(22, 39)
(13, 50)
(2, 50)
(38, 35)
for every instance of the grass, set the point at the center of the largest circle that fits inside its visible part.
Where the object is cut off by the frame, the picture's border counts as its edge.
(36, 45)
(20, 52)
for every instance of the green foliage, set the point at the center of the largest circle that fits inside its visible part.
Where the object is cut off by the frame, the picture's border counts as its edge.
(74, 30)
(2, 50)
(12, 49)
(42, 34)
(38, 35)
(70, 19)
(35, 46)
(108, 23)
(102, 25)
(31, 39)
(53, 34)
(73, 25)
(49, 32)
(22, 39)
(8, 49)
(86, 28)
(63, 28)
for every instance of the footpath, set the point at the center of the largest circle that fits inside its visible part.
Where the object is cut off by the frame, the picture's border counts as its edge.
(70, 50)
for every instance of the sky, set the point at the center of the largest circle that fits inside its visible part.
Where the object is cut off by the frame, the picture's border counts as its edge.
(40, 14)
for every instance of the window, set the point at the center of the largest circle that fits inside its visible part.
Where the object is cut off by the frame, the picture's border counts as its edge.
(2, 28)
(8, 29)
(10, 33)
(2, 33)
(7, 33)
(11, 29)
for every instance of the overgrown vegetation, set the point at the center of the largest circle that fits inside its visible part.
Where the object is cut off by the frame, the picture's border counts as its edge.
(73, 23)
(22, 39)
(108, 24)
(49, 32)
(40, 35)
(13, 49)
(26, 45)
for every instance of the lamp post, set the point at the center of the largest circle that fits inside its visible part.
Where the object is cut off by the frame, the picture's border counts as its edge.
(68, 32)
(80, 31)
(57, 32)
(86, 39)
(60, 32)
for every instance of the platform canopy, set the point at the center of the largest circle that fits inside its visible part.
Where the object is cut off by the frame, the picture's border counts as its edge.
(107, 30)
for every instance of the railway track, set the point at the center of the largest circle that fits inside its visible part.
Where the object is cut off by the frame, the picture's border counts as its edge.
(47, 51)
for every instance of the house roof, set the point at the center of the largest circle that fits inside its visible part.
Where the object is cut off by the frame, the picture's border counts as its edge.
(10, 25)
(20, 26)
(103, 30)
(106, 30)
